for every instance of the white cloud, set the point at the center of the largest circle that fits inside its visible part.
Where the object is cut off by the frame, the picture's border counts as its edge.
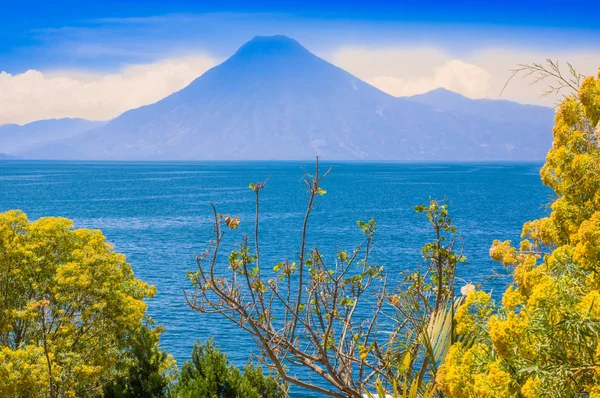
(400, 71)
(454, 75)
(404, 71)
(35, 95)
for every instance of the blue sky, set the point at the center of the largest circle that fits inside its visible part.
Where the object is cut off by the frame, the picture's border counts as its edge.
(64, 34)
(413, 45)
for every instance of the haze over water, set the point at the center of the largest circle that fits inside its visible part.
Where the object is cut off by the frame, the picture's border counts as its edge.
(159, 215)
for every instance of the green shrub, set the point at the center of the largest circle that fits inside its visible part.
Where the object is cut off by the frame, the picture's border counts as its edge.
(148, 370)
(209, 375)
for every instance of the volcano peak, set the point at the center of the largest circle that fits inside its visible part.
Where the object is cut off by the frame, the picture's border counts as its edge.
(265, 45)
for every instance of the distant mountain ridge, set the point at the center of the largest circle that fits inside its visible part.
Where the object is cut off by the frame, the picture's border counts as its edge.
(273, 99)
(495, 110)
(16, 138)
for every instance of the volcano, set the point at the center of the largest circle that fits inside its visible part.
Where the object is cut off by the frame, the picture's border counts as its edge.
(273, 99)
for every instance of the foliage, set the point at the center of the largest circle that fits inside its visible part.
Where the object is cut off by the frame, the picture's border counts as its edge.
(148, 370)
(544, 339)
(69, 306)
(209, 375)
(306, 312)
(549, 71)
(437, 339)
(424, 306)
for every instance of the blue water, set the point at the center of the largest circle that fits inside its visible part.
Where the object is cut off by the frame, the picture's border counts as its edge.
(159, 215)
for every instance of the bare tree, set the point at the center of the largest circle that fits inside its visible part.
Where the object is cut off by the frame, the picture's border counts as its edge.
(310, 313)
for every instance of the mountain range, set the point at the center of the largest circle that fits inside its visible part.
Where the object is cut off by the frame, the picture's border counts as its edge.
(19, 139)
(273, 99)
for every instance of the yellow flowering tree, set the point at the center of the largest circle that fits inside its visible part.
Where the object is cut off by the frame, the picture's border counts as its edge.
(544, 340)
(69, 308)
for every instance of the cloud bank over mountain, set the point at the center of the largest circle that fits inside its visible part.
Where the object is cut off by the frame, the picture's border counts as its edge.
(35, 95)
(398, 71)
(404, 71)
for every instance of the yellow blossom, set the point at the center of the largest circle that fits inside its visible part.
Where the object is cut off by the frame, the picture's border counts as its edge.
(531, 388)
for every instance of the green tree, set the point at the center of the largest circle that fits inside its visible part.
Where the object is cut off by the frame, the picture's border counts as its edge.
(148, 370)
(209, 375)
(69, 308)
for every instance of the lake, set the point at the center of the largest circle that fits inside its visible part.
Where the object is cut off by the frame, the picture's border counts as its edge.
(159, 215)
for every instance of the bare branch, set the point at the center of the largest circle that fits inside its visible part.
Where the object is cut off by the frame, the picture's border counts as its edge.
(538, 73)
